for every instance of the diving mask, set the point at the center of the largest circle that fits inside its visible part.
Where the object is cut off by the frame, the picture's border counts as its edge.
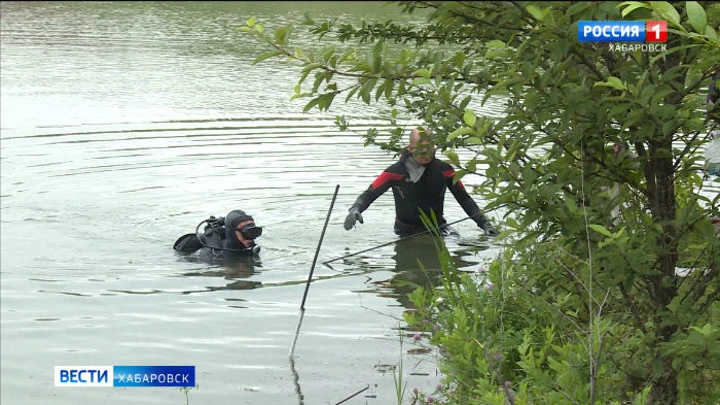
(250, 231)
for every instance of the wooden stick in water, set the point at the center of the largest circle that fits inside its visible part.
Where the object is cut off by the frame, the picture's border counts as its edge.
(312, 268)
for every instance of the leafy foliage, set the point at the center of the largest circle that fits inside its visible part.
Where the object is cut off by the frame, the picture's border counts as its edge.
(607, 288)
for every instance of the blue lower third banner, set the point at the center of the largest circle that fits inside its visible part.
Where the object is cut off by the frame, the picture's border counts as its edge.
(124, 376)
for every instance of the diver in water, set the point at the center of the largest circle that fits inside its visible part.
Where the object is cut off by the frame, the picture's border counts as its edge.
(418, 182)
(231, 236)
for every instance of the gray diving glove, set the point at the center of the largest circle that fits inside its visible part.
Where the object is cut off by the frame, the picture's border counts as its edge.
(486, 226)
(490, 230)
(352, 217)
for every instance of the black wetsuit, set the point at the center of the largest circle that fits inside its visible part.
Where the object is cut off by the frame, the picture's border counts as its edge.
(218, 241)
(212, 254)
(428, 193)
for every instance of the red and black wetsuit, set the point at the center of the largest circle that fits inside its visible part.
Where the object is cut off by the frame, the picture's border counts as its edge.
(428, 193)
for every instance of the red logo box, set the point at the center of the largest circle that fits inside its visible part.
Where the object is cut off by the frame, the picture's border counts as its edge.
(656, 31)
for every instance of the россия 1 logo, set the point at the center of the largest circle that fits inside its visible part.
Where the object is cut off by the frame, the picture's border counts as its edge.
(622, 31)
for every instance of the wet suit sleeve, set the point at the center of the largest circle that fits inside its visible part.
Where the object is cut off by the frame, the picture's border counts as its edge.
(379, 186)
(464, 199)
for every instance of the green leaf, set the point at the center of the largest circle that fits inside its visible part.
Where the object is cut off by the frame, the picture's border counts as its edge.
(711, 33)
(422, 73)
(600, 229)
(366, 89)
(618, 109)
(537, 13)
(282, 34)
(458, 132)
(496, 44)
(706, 330)
(312, 66)
(377, 56)
(389, 85)
(267, 55)
(696, 16)
(310, 105)
(645, 93)
(666, 11)
(613, 82)
(459, 174)
(308, 20)
(325, 101)
(578, 8)
(642, 397)
(631, 6)
(298, 94)
(420, 81)
(469, 118)
(379, 90)
(669, 127)
(471, 166)
(453, 157)
(534, 11)
(352, 92)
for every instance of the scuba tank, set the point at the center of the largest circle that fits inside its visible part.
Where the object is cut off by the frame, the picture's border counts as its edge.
(211, 237)
(213, 234)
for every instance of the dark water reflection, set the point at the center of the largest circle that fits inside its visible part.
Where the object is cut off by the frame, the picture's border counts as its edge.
(233, 271)
(415, 263)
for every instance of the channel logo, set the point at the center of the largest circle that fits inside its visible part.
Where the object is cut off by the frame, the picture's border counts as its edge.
(83, 376)
(622, 31)
(124, 376)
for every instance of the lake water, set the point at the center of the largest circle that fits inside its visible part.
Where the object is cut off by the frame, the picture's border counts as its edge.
(125, 124)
